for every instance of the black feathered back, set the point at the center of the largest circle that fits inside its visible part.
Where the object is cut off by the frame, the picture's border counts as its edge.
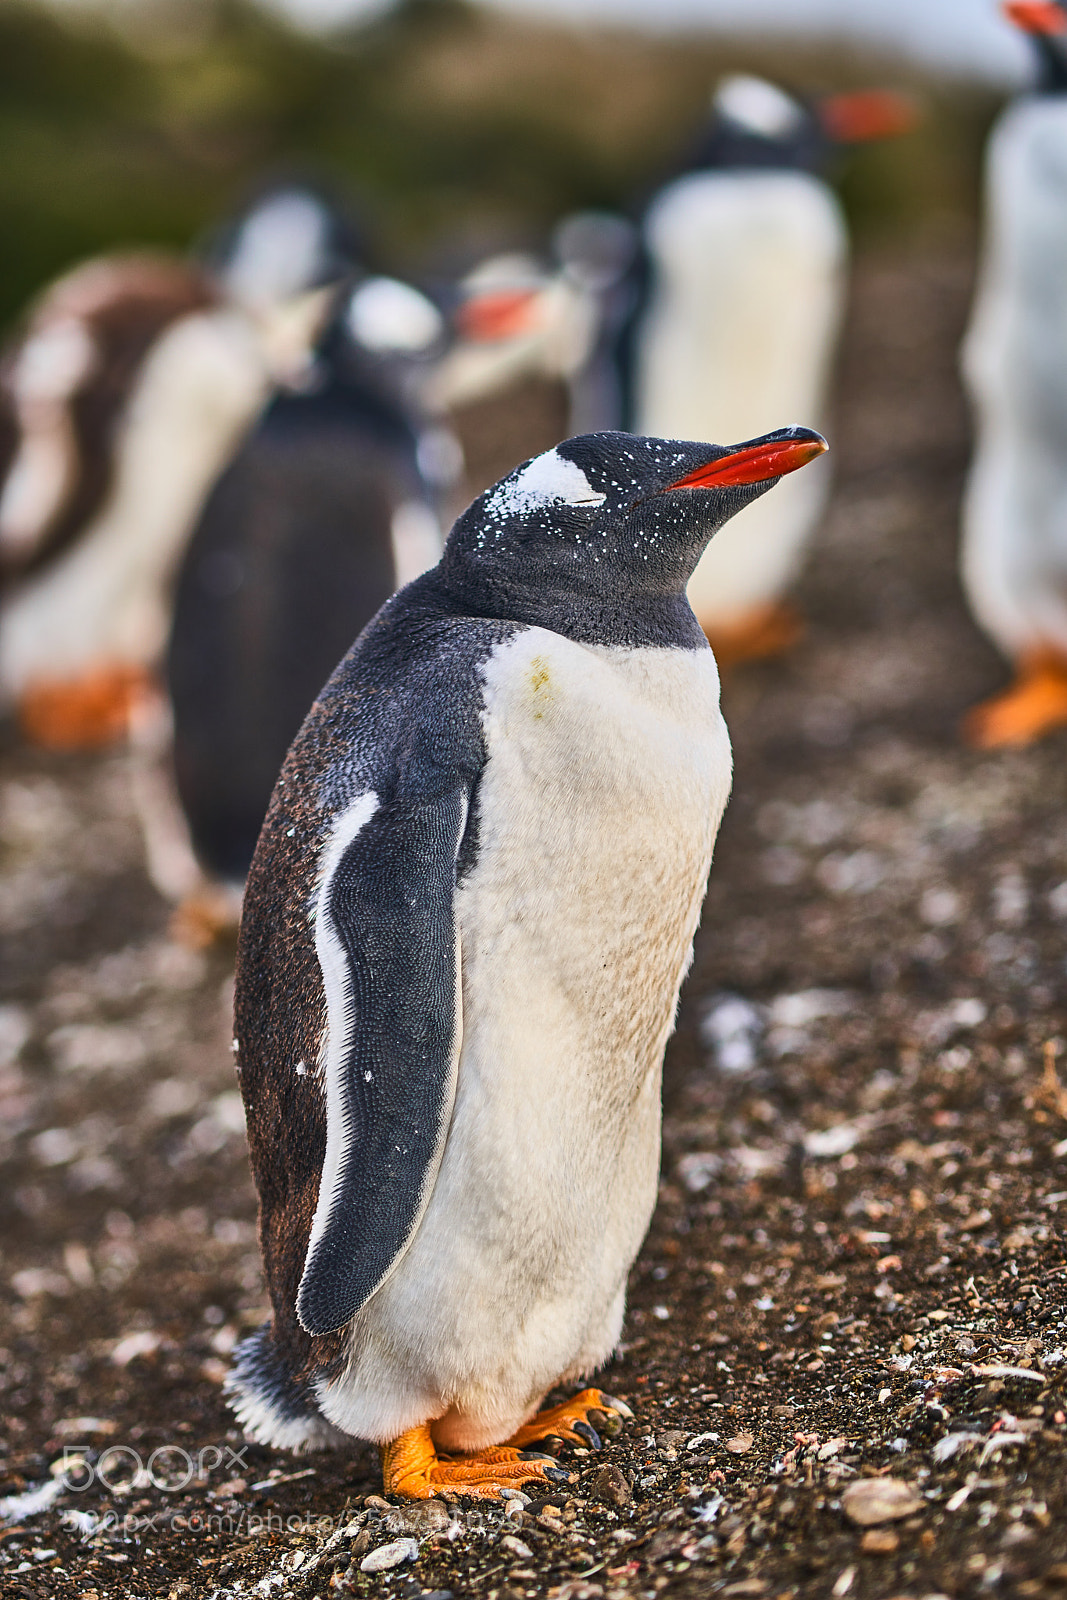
(292, 557)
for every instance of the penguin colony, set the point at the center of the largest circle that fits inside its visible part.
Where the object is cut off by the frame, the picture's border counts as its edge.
(717, 312)
(466, 925)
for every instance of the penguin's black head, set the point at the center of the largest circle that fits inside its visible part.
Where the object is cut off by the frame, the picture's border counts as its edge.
(753, 123)
(608, 519)
(1046, 23)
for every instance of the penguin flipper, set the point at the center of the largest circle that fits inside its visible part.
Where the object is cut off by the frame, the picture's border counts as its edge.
(388, 946)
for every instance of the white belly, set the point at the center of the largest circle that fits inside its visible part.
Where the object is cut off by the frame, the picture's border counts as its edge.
(738, 342)
(1014, 554)
(607, 776)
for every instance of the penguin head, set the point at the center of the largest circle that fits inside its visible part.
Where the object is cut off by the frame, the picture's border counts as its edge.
(1046, 23)
(754, 124)
(292, 237)
(610, 515)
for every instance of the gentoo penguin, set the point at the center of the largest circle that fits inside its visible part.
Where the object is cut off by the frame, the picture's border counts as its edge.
(325, 510)
(67, 382)
(1014, 548)
(466, 924)
(745, 265)
(137, 381)
(83, 614)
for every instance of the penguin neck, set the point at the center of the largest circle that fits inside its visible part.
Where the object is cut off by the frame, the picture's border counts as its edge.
(725, 147)
(625, 621)
(1053, 59)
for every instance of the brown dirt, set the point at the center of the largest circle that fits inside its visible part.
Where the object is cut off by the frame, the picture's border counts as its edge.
(857, 1267)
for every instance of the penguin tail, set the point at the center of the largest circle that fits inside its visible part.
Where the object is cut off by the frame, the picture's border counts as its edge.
(271, 1406)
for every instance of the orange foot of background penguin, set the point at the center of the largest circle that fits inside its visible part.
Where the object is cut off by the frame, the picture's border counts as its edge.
(86, 713)
(1035, 704)
(412, 1466)
(765, 631)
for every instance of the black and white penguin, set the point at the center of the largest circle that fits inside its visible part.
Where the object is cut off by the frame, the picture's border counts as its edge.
(466, 925)
(746, 255)
(324, 511)
(1014, 547)
(76, 383)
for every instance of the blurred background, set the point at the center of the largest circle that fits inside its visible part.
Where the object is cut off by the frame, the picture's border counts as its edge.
(462, 128)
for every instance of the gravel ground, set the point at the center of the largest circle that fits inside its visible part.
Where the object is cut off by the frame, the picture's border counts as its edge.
(845, 1344)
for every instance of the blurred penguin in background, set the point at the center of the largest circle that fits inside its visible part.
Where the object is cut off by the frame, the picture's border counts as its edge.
(134, 382)
(522, 329)
(745, 260)
(1014, 551)
(327, 508)
(81, 455)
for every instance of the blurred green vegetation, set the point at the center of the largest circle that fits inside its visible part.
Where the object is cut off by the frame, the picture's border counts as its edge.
(457, 129)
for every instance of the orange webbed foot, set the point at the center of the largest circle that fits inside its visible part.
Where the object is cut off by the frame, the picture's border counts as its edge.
(579, 1421)
(412, 1467)
(204, 918)
(766, 631)
(1035, 704)
(86, 713)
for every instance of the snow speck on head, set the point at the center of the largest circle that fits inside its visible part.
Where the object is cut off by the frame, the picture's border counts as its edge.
(546, 480)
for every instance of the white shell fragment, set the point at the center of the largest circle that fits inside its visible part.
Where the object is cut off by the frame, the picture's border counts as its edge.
(390, 1555)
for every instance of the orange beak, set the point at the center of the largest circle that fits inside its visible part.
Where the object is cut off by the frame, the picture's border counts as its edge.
(867, 115)
(1036, 16)
(755, 463)
(488, 317)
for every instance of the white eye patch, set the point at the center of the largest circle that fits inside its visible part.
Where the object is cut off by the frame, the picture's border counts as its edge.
(548, 479)
(385, 314)
(759, 106)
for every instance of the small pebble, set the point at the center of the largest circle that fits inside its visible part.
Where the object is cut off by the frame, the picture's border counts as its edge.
(876, 1500)
(611, 1488)
(421, 1518)
(879, 1542)
(740, 1444)
(517, 1547)
(390, 1555)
